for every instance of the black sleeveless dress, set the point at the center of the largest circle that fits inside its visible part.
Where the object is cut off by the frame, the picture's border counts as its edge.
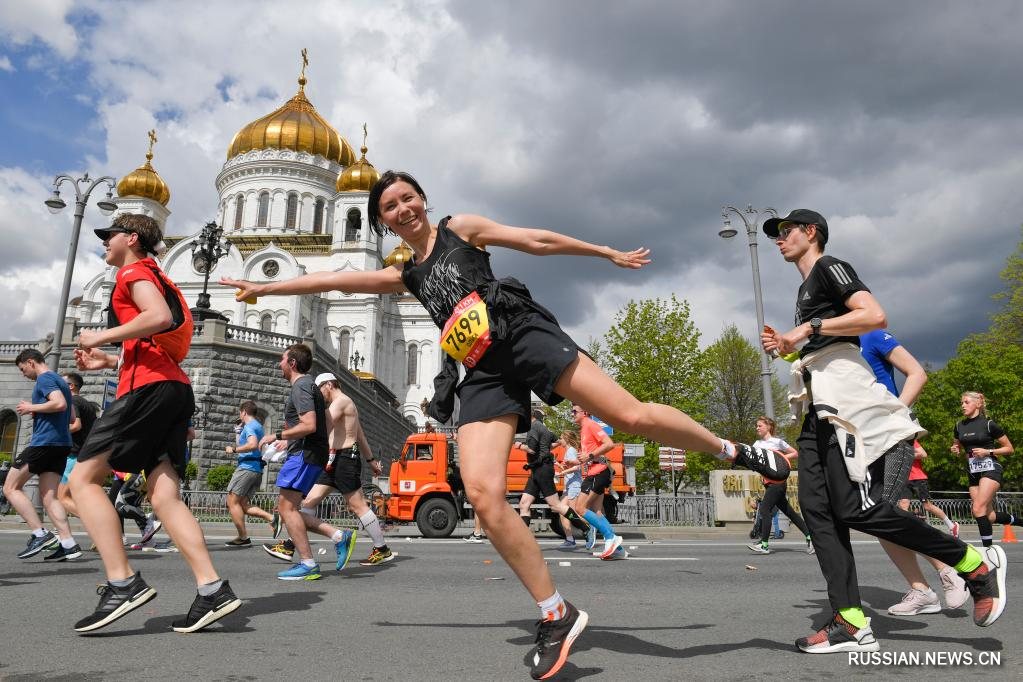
(529, 351)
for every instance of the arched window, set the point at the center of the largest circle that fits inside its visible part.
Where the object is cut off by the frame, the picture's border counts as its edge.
(266, 322)
(239, 208)
(353, 226)
(413, 365)
(8, 432)
(264, 209)
(292, 216)
(344, 345)
(318, 217)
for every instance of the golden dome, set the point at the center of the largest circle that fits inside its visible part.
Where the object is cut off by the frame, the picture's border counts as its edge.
(144, 181)
(401, 254)
(361, 175)
(295, 126)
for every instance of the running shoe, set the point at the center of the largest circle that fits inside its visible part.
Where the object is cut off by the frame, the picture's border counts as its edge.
(301, 572)
(809, 547)
(839, 635)
(956, 593)
(345, 546)
(206, 610)
(758, 548)
(115, 602)
(474, 537)
(144, 546)
(916, 602)
(153, 526)
(768, 463)
(954, 530)
(554, 639)
(52, 544)
(239, 542)
(162, 547)
(987, 585)
(37, 544)
(63, 553)
(279, 551)
(591, 537)
(616, 555)
(276, 524)
(610, 546)
(379, 555)
(567, 546)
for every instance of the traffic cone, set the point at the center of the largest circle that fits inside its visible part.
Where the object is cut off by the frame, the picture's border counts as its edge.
(1009, 535)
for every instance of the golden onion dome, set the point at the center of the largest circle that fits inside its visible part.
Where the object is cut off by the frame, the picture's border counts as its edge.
(144, 181)
(361, 175)
(401, 254)
(295, 126)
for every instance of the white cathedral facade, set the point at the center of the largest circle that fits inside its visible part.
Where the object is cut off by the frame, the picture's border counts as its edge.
(293, 199)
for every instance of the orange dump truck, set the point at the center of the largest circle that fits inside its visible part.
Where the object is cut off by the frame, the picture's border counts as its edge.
(425, 485)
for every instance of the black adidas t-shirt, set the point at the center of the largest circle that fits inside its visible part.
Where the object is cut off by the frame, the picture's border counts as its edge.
(823, 294)
(978, 432)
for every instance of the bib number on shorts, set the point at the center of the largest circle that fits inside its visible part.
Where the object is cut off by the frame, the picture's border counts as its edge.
(466, 334)
(981, 464)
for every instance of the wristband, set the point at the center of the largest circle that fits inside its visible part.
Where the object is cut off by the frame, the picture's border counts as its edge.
(371, 459)
(279, 435)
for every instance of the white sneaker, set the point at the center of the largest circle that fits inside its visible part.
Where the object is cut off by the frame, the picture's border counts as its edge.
(838, 636)
(916, 602)
(610, 546)
(956, 594)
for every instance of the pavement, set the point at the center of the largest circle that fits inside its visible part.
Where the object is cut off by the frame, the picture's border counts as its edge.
(701, 608)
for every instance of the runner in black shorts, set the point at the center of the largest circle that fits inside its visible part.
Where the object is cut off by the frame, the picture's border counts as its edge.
(982, 441)
(541, 474)
(510, 346)
(144, 429)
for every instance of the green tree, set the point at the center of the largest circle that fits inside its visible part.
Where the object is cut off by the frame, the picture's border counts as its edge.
(994, 369)
(653, 351)
(1007, 323)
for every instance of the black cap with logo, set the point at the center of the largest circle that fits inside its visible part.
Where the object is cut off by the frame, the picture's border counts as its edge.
(800, 216)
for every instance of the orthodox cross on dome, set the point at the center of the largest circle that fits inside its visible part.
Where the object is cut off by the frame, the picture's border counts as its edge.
(305, 62)
(365, 134)
(152, 141)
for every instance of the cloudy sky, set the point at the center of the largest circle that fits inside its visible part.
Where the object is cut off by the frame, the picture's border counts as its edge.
(628, 124)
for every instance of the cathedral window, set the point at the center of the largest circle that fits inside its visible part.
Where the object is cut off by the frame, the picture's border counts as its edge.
(264, 209)
(353, 226)
(413, 365)
(318, 217)
(292, 214)
(239, 208)
(266, 322)
(344, 345)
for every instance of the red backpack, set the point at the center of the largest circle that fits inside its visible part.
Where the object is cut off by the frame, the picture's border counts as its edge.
(177, 338)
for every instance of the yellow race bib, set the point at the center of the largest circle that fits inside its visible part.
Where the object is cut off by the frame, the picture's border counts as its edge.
(466, 334)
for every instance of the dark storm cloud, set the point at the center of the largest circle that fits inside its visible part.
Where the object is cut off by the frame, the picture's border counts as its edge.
(896, 118)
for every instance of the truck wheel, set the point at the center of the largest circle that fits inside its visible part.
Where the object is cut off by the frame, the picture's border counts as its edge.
(436, 518)
(376, 500)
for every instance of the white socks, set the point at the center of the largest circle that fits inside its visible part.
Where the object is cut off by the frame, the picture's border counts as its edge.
(371, 524)
(727, 450)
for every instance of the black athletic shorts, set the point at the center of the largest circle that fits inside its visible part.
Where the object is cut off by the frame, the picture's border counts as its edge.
(995, 475)
(143, 427)
(43, 458)
(541, 481)
(347, 473)
(531, 359)
(919, 488)
(598, 483)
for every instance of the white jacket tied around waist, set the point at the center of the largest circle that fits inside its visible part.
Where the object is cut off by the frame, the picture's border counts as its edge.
(868, 419)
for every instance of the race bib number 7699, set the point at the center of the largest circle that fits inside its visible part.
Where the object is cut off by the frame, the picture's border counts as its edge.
(466, 334)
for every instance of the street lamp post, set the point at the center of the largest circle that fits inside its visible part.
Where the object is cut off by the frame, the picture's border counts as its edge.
(55, 204)
(357, 361)
(208, 248)
(751, 220)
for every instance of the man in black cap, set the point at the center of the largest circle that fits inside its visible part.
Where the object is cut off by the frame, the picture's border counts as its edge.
(855, 447)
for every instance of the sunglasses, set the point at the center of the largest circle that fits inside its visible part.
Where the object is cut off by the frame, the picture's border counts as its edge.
(576, 411)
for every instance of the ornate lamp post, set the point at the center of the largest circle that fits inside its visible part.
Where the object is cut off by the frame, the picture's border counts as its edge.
(55, 204)
(356, 361)
(751, 220)
(208, 248)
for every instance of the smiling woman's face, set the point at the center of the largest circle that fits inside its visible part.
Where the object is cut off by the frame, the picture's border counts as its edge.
(403, 210)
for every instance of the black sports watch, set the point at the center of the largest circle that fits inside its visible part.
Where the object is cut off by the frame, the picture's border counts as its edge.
(815, 326)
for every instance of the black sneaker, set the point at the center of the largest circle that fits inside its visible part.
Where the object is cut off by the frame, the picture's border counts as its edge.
(206, 610)
(987, 586)
(63, 553)
(36, 545)
(239, 542)
(280, 551)
(768, 463)
(554, 638)
(837, 636)
(115, 602)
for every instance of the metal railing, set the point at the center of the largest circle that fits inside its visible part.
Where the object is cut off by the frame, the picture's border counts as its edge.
(257, 337)
(667, 510)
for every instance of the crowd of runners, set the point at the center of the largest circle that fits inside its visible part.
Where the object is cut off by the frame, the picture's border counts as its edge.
(858, 446)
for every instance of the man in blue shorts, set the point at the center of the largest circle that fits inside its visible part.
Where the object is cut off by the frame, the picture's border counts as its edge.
(305, 433)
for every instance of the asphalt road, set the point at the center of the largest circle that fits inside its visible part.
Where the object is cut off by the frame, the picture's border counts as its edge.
(445, 609)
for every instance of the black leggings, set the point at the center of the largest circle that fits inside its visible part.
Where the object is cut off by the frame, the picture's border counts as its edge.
(775, 497)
